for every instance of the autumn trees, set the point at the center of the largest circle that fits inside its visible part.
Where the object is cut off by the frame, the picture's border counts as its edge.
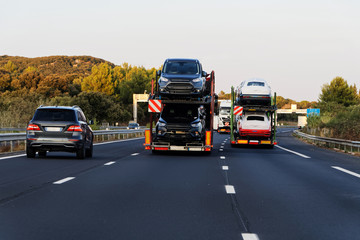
(103, 90)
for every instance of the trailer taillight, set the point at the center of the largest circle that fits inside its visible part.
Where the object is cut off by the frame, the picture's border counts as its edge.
(74, 128)
(161, 148)
(208, 138)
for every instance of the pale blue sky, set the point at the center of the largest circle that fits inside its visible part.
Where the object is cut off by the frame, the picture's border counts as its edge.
(296, 46)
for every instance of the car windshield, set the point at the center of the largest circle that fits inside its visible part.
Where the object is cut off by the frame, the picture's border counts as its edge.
(54, 115)
(182, 67)
(173, 113)
(256, 84)
(224, 110)
(255, 118)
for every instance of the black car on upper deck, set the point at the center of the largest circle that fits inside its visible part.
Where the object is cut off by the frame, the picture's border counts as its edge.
(181, 76)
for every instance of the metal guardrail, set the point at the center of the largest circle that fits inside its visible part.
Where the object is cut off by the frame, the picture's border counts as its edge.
(341, 144)
(10, 142)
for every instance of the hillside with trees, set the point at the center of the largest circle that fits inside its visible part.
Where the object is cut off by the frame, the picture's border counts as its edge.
(102, 89)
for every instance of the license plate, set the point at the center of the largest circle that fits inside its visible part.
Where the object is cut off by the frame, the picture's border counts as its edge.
(180, 132)
(223, 130)
(53, 129)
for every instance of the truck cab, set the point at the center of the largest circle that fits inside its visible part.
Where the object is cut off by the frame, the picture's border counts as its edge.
(224, 116)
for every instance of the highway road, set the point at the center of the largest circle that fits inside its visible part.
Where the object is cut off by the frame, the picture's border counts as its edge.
(294, 191)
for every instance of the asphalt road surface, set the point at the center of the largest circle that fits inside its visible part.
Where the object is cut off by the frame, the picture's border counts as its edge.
(294, 191)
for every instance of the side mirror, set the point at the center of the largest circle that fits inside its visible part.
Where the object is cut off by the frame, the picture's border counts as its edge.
(204, 74)
(91, 122)
(158, 73)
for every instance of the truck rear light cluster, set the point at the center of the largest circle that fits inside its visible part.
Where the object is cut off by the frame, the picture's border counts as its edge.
(33, 127)
(74, 128)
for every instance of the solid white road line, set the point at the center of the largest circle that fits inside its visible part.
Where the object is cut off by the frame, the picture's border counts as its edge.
(225, 168)
(125, 140)
(230, 189)
(135, 154)
(222, 157)
(109, 163)
(288, 150)
(347, 171)
(14, 156)
(249, 236)
(63, 180)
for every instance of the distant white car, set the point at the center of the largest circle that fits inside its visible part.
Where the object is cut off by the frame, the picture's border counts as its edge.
(254, 125)
(254, 92)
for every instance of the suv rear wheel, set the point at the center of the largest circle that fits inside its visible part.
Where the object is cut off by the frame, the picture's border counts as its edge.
(80, 153)
(89, 151)
(30, 153)
(42, 154)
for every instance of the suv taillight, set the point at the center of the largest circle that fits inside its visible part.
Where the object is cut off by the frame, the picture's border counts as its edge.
(74, 128)
(33, 127)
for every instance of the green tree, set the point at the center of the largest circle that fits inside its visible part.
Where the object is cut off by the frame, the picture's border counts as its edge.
(100, 80)
(340, 92)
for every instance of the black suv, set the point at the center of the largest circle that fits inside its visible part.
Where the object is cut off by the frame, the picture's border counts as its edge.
(58, 128)
(182, 77)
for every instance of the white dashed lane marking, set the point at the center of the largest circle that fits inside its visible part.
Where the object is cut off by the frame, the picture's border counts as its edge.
(346, 171)
(222, 157)
(135, 154)
(291, 151)
(230, 189)
(225, 168)
(109, 163)
(64, 180)
(249, 236)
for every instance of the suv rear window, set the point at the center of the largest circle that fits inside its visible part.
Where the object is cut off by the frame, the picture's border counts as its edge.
(55, 115)
(255, 118)
(256, 84)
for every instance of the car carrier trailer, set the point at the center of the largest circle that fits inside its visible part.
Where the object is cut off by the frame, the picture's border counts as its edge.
(181, 135)
(255, 138)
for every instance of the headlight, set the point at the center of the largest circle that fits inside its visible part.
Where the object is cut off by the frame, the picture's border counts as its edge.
(197, 80)
(162, 79)
(161, 124)
(195, 125)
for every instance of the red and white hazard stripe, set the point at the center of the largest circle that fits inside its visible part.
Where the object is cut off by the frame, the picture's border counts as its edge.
(155, 106)
(238, 110)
